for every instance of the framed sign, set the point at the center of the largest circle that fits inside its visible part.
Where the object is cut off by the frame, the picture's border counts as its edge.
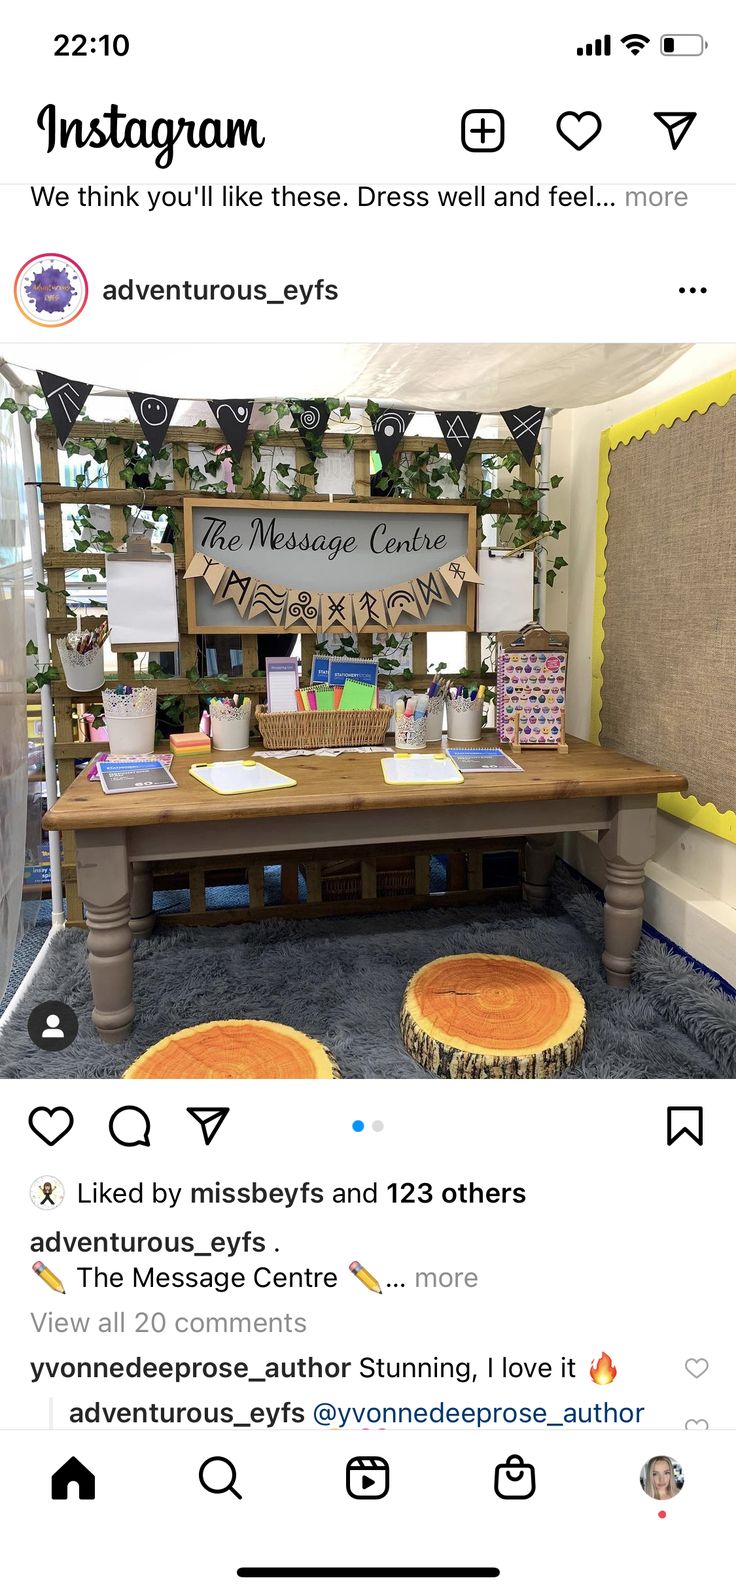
(274, 564)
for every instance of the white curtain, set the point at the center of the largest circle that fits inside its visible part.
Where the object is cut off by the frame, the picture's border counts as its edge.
(13, 740)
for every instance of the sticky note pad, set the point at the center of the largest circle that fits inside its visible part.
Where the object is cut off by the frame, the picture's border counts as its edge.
(357, 694)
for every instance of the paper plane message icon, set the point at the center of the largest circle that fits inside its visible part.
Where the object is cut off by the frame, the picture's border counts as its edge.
(210, 1119)
(678, 123)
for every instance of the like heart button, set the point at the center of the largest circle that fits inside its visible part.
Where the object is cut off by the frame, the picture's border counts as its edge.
(579, 128)
(696, 1365)
(50, 1123)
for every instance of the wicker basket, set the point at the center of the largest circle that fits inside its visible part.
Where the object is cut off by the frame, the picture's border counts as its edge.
(366, 728)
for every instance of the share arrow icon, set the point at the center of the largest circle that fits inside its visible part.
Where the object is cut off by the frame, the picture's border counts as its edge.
(678, 123)
(210, 1119)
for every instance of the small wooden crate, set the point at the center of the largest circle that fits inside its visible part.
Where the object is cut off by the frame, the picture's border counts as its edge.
(283, 731)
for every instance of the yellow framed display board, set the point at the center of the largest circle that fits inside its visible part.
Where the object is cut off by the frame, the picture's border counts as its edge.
(698, 401)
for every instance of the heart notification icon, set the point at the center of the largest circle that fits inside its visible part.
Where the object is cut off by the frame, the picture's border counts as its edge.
(50, 1123)
(579, 128)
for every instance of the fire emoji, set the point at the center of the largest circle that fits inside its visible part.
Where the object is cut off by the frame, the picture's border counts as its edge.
(603, 1370)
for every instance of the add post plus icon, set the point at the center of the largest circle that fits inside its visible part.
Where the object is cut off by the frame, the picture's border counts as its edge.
(482, 132)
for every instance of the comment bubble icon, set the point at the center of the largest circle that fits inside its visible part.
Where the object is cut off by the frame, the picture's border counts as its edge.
(130, 1126)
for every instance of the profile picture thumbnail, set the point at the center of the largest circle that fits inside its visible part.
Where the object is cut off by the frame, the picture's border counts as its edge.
(661, 1477)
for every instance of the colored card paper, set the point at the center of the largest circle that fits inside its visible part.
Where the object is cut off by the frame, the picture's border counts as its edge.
(357, 694)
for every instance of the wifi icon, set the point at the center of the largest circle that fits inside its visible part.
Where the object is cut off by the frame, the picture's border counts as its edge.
(635, 42)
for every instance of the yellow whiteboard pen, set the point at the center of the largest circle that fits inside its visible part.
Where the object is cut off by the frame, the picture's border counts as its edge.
(49, 1277)
(366, 1277)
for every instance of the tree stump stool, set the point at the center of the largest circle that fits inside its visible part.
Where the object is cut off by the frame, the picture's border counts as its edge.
(484, 1017)
(241, 1048)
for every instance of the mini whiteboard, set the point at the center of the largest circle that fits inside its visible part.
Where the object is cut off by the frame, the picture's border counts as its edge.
(230, 779)
(506, 596)
(141, 598)
(419, 768)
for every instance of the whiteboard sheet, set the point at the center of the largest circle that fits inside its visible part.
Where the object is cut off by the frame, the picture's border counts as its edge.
(506, 597)
(141, 601)
(230, 778)
(421, 769)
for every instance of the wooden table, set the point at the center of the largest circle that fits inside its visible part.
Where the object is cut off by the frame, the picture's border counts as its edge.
(339, 802)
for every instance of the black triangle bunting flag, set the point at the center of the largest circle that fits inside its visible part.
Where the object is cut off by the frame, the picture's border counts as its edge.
(154, 414)
(233, 418)
(65, 398)
(458, 427)
(525, 425)
(310, 416)
(389, 426)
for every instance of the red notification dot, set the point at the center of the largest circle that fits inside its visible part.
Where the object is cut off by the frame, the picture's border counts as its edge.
(661, 1514)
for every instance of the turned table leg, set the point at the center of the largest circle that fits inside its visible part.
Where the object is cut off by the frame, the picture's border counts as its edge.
(626, 847)
(142, 916)
(103, 874)
(539, 861)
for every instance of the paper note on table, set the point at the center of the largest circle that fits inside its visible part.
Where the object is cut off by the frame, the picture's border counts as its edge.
(357, 694)
(227, 779)
(421, 768)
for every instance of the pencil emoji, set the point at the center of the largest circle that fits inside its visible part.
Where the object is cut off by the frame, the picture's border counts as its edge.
(366, 1277)
(49, 1277)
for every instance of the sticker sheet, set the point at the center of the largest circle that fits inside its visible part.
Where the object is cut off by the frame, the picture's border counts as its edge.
(532, 685)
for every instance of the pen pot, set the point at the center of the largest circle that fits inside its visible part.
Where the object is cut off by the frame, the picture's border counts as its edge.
(411, 734)
(230, 726)
(435, 718)
(83, 672)
(464, 719)
(130, 718)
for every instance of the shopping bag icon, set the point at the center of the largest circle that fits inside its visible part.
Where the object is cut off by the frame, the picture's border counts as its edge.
(514, 1479)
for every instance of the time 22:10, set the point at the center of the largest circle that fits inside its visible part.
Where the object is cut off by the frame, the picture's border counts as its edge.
(116, 45)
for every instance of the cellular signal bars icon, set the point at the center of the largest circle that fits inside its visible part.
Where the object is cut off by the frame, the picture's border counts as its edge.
(597, 47)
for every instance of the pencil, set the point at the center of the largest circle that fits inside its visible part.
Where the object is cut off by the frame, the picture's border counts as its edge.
(364, 1276)
(49, 1277)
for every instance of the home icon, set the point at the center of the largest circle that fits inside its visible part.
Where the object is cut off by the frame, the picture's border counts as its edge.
(70, 1473)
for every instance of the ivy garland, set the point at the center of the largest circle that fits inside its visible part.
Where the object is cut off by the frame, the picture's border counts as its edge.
(420, 474)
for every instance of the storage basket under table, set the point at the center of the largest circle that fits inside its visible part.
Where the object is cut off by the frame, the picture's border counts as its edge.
(332, 728)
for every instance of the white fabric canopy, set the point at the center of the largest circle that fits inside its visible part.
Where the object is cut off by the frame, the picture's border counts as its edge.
(481, 376)
(13, 670)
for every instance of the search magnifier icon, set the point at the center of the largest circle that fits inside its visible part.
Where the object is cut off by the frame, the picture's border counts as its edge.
(222, 1475)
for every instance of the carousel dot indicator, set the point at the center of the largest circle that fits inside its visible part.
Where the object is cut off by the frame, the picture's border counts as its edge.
(358, 1125)
(377, 1126)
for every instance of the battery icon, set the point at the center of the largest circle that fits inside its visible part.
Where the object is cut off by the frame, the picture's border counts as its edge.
(682, 44)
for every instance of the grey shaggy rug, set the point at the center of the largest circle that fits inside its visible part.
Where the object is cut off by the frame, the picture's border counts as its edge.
(341, 980)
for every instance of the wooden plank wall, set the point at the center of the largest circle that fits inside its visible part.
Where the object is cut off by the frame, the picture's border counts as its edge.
(465, 869)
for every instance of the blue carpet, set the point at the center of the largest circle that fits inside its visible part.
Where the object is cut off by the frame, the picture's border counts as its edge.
(673, 1022)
